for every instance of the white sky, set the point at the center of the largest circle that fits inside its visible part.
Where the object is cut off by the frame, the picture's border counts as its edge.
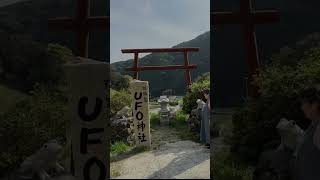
(155, 24)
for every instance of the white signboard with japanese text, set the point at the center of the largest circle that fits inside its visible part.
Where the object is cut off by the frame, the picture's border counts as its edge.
(87, 80)
(140, 108)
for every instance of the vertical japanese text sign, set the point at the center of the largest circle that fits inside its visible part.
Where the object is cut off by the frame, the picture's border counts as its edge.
(140, 108)
(87, 100)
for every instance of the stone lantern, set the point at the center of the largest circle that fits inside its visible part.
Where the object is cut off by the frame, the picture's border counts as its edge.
(164, 110)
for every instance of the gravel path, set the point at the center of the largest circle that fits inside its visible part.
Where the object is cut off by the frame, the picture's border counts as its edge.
(179, 160)
(171, 158)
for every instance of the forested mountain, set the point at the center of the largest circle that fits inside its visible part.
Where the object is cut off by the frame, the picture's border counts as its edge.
(174, 79)
(298, 19)
(31, 17)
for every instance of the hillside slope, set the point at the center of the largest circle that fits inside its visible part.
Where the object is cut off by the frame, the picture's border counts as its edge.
(298, 18)
(162, 80)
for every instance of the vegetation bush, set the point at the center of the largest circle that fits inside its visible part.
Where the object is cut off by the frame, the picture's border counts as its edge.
(118, 100)
(31, 123)
(180, 119)
(189, 101)
(154, 119)
(118, 81)
(119, 147)
(225, 167)
(25, 62)
(174, 103)
(280, 84)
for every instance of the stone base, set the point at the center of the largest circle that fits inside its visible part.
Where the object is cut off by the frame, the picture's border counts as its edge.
(164, 118)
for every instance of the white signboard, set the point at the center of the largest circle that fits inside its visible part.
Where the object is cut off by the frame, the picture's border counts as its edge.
(87, 98)
(140, 108)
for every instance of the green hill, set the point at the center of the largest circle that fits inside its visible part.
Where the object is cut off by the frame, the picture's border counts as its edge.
(174, 79)
(31, 17)
(297, 19)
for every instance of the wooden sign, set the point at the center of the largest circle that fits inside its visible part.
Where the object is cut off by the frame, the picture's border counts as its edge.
(87, 99)
(140, 108)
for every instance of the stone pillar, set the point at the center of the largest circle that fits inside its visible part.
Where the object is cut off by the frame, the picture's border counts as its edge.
(164, 110)
(88, 82)
(140, 108)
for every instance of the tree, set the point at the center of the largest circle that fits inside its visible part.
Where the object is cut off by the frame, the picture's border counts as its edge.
(280, 84)
(25, 62)
(189, 101)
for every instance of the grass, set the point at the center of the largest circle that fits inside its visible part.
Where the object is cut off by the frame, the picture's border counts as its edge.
(225, 167)
(119, 147)
(114, 173)
(180, 120)
(154, 119)
(121, 153)
(9, 97)
(181, 126)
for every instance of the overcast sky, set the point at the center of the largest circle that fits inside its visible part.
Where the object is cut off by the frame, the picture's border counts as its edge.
(155, 24)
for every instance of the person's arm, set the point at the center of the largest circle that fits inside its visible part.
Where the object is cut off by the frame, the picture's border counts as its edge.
(316, 137)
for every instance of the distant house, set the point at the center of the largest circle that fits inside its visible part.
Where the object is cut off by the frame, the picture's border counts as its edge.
(168, 92)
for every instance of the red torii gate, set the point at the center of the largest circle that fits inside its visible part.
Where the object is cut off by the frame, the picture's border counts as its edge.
(248, 17)
(186, 65)
(81, 24)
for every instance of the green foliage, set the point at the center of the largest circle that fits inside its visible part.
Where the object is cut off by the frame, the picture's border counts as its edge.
(180, 120)
(118, 81)
(225, 167)
(180, 125)
(154, 119)
(118, 100)
(254, 125)
(30, 123)
(25, 62)
(119, 147)
(291, 56)
(189, 101)
(174, 103)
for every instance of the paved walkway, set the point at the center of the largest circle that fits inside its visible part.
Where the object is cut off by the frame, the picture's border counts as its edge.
(179, 160)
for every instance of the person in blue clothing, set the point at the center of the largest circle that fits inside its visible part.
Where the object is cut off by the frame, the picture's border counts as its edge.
(205, 119)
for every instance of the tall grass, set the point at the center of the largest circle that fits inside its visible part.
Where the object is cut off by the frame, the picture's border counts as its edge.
(179, 123)
(226, 167)
(180, 120)
(154, 119)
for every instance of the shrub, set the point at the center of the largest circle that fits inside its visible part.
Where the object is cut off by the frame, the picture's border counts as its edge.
(174, 103)
(225, 167)
(119, 147)
(154, 119)
(25, 62)
(180, 119)
(118, 100)
(119, 81)
(32, 122)
(254, 124)
(189, 101)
